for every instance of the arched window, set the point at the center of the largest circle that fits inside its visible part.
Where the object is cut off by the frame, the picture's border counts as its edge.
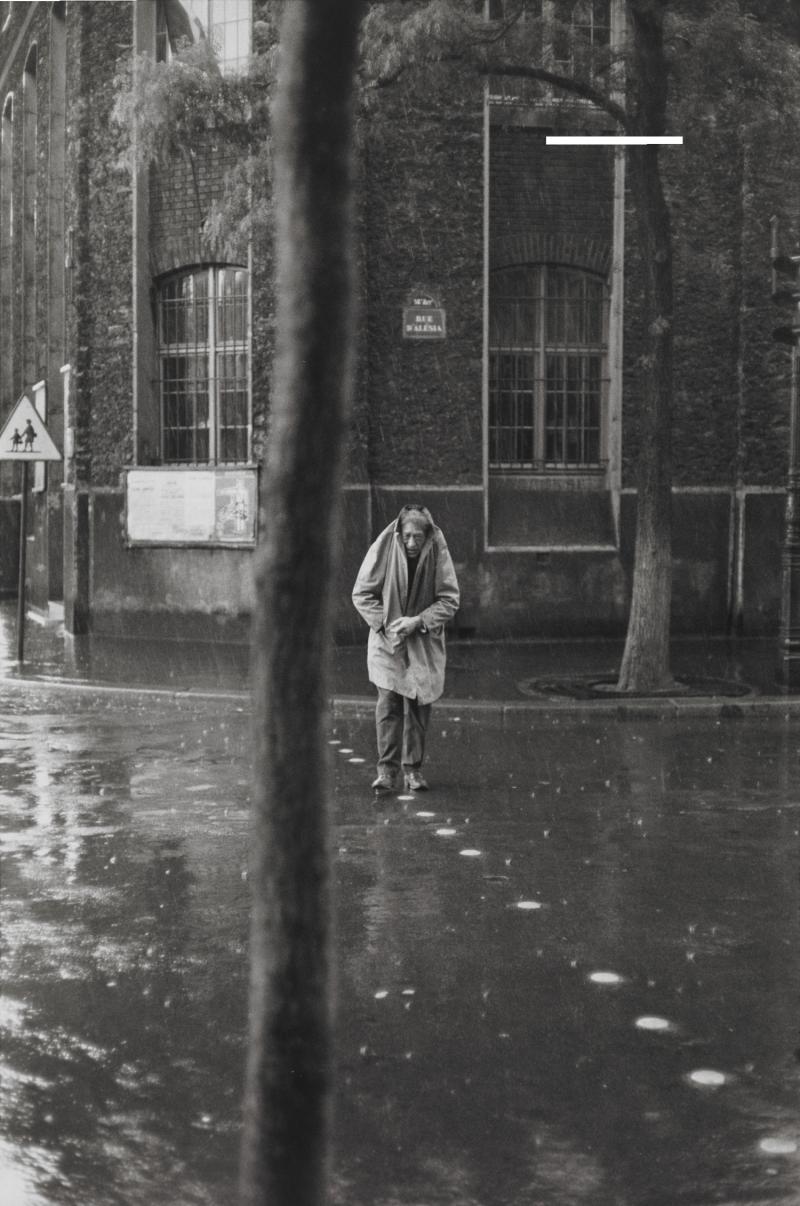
(547, 369)
(226, 23)
(203, 347)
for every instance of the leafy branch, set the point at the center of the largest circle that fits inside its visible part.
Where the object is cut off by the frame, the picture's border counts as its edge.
(395, 42)
(182, 108)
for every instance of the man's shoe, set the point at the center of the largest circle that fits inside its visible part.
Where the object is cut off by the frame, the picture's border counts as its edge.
(384, 784)
(415, 781)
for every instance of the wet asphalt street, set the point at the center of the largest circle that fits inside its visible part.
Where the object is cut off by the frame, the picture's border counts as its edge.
(570, 973)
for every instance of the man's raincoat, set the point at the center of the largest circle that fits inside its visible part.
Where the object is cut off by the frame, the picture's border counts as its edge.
(413, 666)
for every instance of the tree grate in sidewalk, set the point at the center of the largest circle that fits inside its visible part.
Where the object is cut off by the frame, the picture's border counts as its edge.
(604, 687)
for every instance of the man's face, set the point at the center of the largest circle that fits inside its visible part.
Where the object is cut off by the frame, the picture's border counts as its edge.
(413, 535)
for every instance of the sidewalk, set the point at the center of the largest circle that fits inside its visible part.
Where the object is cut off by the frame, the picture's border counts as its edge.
(497, 681)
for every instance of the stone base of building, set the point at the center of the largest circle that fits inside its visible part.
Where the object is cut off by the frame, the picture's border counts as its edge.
(726, 560)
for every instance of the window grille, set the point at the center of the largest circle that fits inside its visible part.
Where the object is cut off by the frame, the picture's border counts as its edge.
(547, 369)
(226, 23)
(204, 357)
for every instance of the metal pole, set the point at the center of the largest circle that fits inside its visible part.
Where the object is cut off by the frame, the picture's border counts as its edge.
(23, 544)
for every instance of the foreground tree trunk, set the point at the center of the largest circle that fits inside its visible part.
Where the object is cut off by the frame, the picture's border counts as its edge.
(290, 1039)
(645, 662)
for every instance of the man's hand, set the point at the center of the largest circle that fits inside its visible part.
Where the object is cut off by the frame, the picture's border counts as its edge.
(405, 626)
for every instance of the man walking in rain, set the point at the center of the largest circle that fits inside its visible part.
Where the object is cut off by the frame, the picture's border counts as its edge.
(406, 590)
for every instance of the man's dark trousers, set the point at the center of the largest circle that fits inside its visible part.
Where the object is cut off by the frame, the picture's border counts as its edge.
(401, 724)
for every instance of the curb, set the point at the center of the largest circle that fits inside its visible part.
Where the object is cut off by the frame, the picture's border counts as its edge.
(512, 716)
(99, 688)
(495, 714)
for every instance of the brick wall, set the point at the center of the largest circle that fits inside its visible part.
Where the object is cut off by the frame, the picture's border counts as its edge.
(557, 200)
(99, 207)
(181, 195)
(731, 380)
(771, 186)
(422, 233)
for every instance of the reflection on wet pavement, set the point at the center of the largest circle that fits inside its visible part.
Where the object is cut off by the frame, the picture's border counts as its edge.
(604, 1004)
(568, 975)
(123, 908)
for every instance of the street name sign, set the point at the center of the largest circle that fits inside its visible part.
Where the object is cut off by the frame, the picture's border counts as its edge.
(423, 318)
(25, 437)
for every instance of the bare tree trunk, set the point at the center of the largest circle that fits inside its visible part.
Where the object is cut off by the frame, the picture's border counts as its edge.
(286, 1106)
(645, 662)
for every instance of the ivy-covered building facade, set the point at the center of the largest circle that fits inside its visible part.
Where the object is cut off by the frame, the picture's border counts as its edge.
(499, 341)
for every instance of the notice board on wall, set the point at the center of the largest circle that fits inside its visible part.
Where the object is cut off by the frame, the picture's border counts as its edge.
(215, 507)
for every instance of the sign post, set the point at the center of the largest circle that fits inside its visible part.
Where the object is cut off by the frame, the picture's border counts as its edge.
(25, 438)
(23, 553)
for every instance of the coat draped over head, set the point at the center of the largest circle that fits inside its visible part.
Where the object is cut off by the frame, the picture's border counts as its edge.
(413, 666)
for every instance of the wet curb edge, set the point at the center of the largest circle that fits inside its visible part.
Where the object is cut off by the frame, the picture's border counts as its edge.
(496, 714)
(514, 716)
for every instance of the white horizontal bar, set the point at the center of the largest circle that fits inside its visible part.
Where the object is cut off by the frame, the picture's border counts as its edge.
(611, 140)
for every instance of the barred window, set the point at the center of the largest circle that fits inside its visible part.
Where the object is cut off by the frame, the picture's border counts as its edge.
(547, 369)
(204, 357)
(226, 23)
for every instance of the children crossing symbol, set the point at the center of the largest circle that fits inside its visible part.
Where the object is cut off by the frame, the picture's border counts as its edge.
(25, 437)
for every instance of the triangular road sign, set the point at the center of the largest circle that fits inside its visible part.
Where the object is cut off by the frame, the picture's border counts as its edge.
(25, 437)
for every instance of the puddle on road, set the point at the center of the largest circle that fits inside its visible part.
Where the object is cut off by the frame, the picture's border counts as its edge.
(707, 1078)
(605, 977)
(656, 1024)
(778, 1146)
